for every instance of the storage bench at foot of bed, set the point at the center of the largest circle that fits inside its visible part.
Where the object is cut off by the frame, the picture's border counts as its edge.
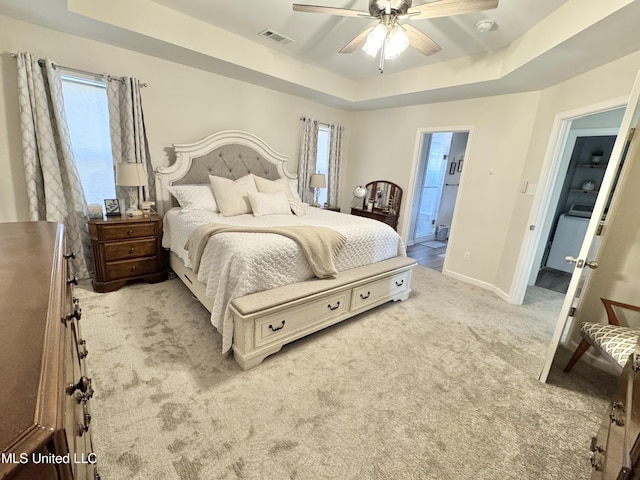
(265, 321)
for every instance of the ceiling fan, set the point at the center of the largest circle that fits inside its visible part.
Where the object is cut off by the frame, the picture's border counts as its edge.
(389, 36)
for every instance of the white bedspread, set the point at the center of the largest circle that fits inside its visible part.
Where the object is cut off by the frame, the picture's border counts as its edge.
(238, 264)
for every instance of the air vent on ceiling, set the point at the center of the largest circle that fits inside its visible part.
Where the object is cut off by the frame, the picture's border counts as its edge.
(275, 36)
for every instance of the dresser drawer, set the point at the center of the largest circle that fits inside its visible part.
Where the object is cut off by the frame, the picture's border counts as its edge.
(131, 249)
(380, 290)
(282, 324)
(122, 231)
(131, 268)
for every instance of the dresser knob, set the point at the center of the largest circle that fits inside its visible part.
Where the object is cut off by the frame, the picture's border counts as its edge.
(84, 385)
(72, 280)
(69, 255)
(130, 231)
(83, 352)
(133, 268)
(132, 249)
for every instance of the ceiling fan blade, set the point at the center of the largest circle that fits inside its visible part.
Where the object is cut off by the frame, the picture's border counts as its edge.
(357, 42)
(420, 41)
(445, 8)
(341, 12)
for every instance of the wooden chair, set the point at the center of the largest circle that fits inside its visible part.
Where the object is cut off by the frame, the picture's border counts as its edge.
(613, 340)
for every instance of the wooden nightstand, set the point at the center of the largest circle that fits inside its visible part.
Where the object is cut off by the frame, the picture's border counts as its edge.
(125, 249)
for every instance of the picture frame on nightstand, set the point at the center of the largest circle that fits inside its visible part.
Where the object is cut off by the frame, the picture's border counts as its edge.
(112, 207)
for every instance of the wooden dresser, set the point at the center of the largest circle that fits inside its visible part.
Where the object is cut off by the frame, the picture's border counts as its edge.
(615, 452)
(384, 217)
(125, 249)
(45, 424)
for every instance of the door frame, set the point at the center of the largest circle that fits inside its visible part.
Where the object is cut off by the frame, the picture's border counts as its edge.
(547, 185)
(417, 149)
(564, 161)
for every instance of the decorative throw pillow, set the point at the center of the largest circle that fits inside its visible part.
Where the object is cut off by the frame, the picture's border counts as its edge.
(297, 207)
(194, 197)
(272, 186)
(232, 197)
(269, 203)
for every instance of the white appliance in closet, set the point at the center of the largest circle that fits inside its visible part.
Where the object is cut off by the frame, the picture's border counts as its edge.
(567, 241)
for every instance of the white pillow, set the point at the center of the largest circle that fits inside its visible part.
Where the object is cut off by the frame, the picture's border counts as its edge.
(194, 197)
(297, 207)
(272, 186)
(231, 197)
(269, 203)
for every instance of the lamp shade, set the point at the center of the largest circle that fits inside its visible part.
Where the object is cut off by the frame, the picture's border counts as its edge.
(318, 181)
(130, 175)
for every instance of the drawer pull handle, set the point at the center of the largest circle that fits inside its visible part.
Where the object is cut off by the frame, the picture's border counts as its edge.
(364, 297)
(132, 249)
(84, 426)
(130, 231)
(72, 280)
(77, 314)
(334, 308)
(271, 327)
(83, 352)
(400, 283)
(615, 408)
(71, 255)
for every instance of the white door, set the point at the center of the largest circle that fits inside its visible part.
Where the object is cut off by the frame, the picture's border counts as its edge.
(587, 258)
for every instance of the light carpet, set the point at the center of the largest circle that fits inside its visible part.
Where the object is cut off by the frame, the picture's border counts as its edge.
(441, 386)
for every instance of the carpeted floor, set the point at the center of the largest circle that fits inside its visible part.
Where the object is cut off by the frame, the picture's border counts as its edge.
(441, 386)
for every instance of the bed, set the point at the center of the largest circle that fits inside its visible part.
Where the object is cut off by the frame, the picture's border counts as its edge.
(259, 287)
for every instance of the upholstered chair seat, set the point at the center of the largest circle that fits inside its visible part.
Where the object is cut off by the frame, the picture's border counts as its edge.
(613, 340)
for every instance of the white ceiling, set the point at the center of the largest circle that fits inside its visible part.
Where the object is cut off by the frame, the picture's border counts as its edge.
(537, 43)
(318, 38)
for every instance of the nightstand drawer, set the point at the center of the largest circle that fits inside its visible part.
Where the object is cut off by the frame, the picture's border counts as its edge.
(131, 268)
(118, 232)
(130, 249)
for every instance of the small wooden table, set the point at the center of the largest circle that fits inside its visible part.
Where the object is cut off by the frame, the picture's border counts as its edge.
(127, 248)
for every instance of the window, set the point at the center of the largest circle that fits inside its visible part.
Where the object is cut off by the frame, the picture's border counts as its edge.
(322, 159)
(85, 102)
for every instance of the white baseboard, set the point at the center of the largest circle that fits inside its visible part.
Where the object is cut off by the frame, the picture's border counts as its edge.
(478, 283)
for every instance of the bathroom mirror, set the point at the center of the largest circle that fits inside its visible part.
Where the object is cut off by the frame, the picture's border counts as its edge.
(385, 196)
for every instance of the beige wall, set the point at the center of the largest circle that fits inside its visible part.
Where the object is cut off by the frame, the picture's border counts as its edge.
(384, 147)
(507, 144)
(181, 104)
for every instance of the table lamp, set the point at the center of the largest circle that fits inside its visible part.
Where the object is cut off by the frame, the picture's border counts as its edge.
(131, 175)
(317, 182)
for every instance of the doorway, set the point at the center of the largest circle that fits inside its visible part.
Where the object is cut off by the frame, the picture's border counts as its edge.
(583, 162)
(441, 160)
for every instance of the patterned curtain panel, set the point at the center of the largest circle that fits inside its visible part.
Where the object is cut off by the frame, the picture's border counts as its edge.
(53, 183)
(128, 135)
(307, 158)
(335, 159)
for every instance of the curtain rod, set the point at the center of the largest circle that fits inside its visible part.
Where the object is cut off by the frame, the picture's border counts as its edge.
(77, 70)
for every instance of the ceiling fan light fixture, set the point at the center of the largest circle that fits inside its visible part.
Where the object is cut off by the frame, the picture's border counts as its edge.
(395, 43)
(375, 39)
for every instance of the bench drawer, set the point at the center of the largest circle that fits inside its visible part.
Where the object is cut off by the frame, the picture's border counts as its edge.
(285, 323)
(380, 290)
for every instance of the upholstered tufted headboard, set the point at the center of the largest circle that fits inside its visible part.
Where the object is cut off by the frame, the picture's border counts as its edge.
(230, 154)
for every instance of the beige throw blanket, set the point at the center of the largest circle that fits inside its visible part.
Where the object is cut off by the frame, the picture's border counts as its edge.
(320, 245)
